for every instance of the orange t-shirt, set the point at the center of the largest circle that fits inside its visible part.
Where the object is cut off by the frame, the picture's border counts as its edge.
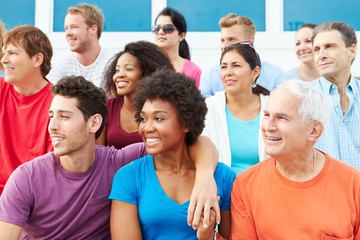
(266, 205)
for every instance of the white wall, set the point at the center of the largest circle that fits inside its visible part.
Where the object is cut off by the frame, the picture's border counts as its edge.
(274, 45)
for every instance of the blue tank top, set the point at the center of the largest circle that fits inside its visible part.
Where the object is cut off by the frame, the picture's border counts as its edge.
(243, 137)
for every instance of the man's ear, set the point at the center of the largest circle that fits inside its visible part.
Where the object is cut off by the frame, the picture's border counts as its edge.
(94, 123)
(94, 29)
(317, 130)
(352, 52)
(38, 59)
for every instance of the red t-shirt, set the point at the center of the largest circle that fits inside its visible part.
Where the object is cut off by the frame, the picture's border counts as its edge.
(23, 127)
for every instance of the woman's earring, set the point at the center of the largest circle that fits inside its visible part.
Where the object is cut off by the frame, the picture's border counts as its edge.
(253, 85)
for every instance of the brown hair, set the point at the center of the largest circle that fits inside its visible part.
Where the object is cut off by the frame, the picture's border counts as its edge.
(232, 19)
(92, 15)
(34, 41)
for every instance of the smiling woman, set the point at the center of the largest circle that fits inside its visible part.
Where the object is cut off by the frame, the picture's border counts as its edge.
(234, 116)
(307, 70)
(151, 195)
(137, 60)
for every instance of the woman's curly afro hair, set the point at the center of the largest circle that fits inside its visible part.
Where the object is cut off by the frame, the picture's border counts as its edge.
(179, 91)
(150, 56)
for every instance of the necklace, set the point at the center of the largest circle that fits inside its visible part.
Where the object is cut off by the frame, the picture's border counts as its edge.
(313, 171)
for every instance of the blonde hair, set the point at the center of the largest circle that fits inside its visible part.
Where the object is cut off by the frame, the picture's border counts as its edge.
(232, 19)
(92, 15)
(2, 39)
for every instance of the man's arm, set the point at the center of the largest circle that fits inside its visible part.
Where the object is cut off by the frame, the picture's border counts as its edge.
(204, 194)
(9, 231)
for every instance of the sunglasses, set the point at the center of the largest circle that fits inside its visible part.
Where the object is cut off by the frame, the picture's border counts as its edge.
(251, 44)
(167, 28)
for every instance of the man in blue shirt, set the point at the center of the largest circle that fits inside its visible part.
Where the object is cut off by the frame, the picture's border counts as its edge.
(235, 28)
(334, 46)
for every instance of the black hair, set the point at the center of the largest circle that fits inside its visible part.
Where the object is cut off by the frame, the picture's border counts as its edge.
(91, 99)
(150, 56)
(180, 24)
(252, 58)
(179, 91)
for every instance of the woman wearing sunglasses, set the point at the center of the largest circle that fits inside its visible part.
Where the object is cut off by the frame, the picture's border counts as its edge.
(150, 196)
(137, 60)
(170, 31)
(234, 116)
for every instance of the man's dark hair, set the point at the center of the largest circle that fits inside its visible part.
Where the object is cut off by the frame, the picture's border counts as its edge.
(91, 99)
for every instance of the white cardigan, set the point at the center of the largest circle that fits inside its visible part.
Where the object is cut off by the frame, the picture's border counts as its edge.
(216, 127)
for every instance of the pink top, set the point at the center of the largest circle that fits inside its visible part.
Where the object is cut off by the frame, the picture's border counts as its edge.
(191, 70)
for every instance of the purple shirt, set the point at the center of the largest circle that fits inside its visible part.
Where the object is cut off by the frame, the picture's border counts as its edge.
(51, 203)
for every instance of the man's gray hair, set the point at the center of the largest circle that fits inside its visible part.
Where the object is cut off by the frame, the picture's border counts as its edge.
(315, 105)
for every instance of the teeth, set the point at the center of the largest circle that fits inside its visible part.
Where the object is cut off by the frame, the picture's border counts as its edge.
(230, 81)
(122, 84)
(274, 139)
(56, 140)
(153, 140)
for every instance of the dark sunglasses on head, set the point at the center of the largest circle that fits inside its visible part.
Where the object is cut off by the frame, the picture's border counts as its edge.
(251, 44)
(167, 28)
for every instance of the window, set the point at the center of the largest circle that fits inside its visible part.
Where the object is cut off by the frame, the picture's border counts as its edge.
(120, 15)
(298, 12)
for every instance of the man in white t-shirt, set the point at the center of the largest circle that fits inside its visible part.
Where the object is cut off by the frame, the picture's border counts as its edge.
(83, 26)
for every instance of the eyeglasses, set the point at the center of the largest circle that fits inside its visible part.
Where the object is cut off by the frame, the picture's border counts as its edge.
(167, 28)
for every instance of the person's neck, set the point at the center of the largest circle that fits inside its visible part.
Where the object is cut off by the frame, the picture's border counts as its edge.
(309, 71)
(174, 161)
(242, 98)
(31, 85)
(128, 103)
(80, 160)
(89, 56)
(176, 60)
(301, 168)
(341, 80)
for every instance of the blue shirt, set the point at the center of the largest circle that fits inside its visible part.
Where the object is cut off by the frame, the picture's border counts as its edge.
(270, 77)
(341, 138)
(243, 137)
(160, 216)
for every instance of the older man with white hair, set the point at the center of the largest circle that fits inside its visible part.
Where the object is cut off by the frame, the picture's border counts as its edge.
(299, 192)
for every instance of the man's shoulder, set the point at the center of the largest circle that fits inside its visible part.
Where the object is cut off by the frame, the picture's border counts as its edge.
(257, 171)
(270, 67)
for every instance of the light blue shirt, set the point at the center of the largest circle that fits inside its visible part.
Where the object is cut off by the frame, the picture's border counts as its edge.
(341, 138)
(293, 74)
(243, 137)
(270, 77)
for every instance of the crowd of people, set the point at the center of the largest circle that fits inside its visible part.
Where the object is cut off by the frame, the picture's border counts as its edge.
(141, 144)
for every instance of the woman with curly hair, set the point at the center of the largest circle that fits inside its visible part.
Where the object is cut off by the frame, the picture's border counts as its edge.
(170, 31)
(150, 196)
(137, 60)
(234, 116)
